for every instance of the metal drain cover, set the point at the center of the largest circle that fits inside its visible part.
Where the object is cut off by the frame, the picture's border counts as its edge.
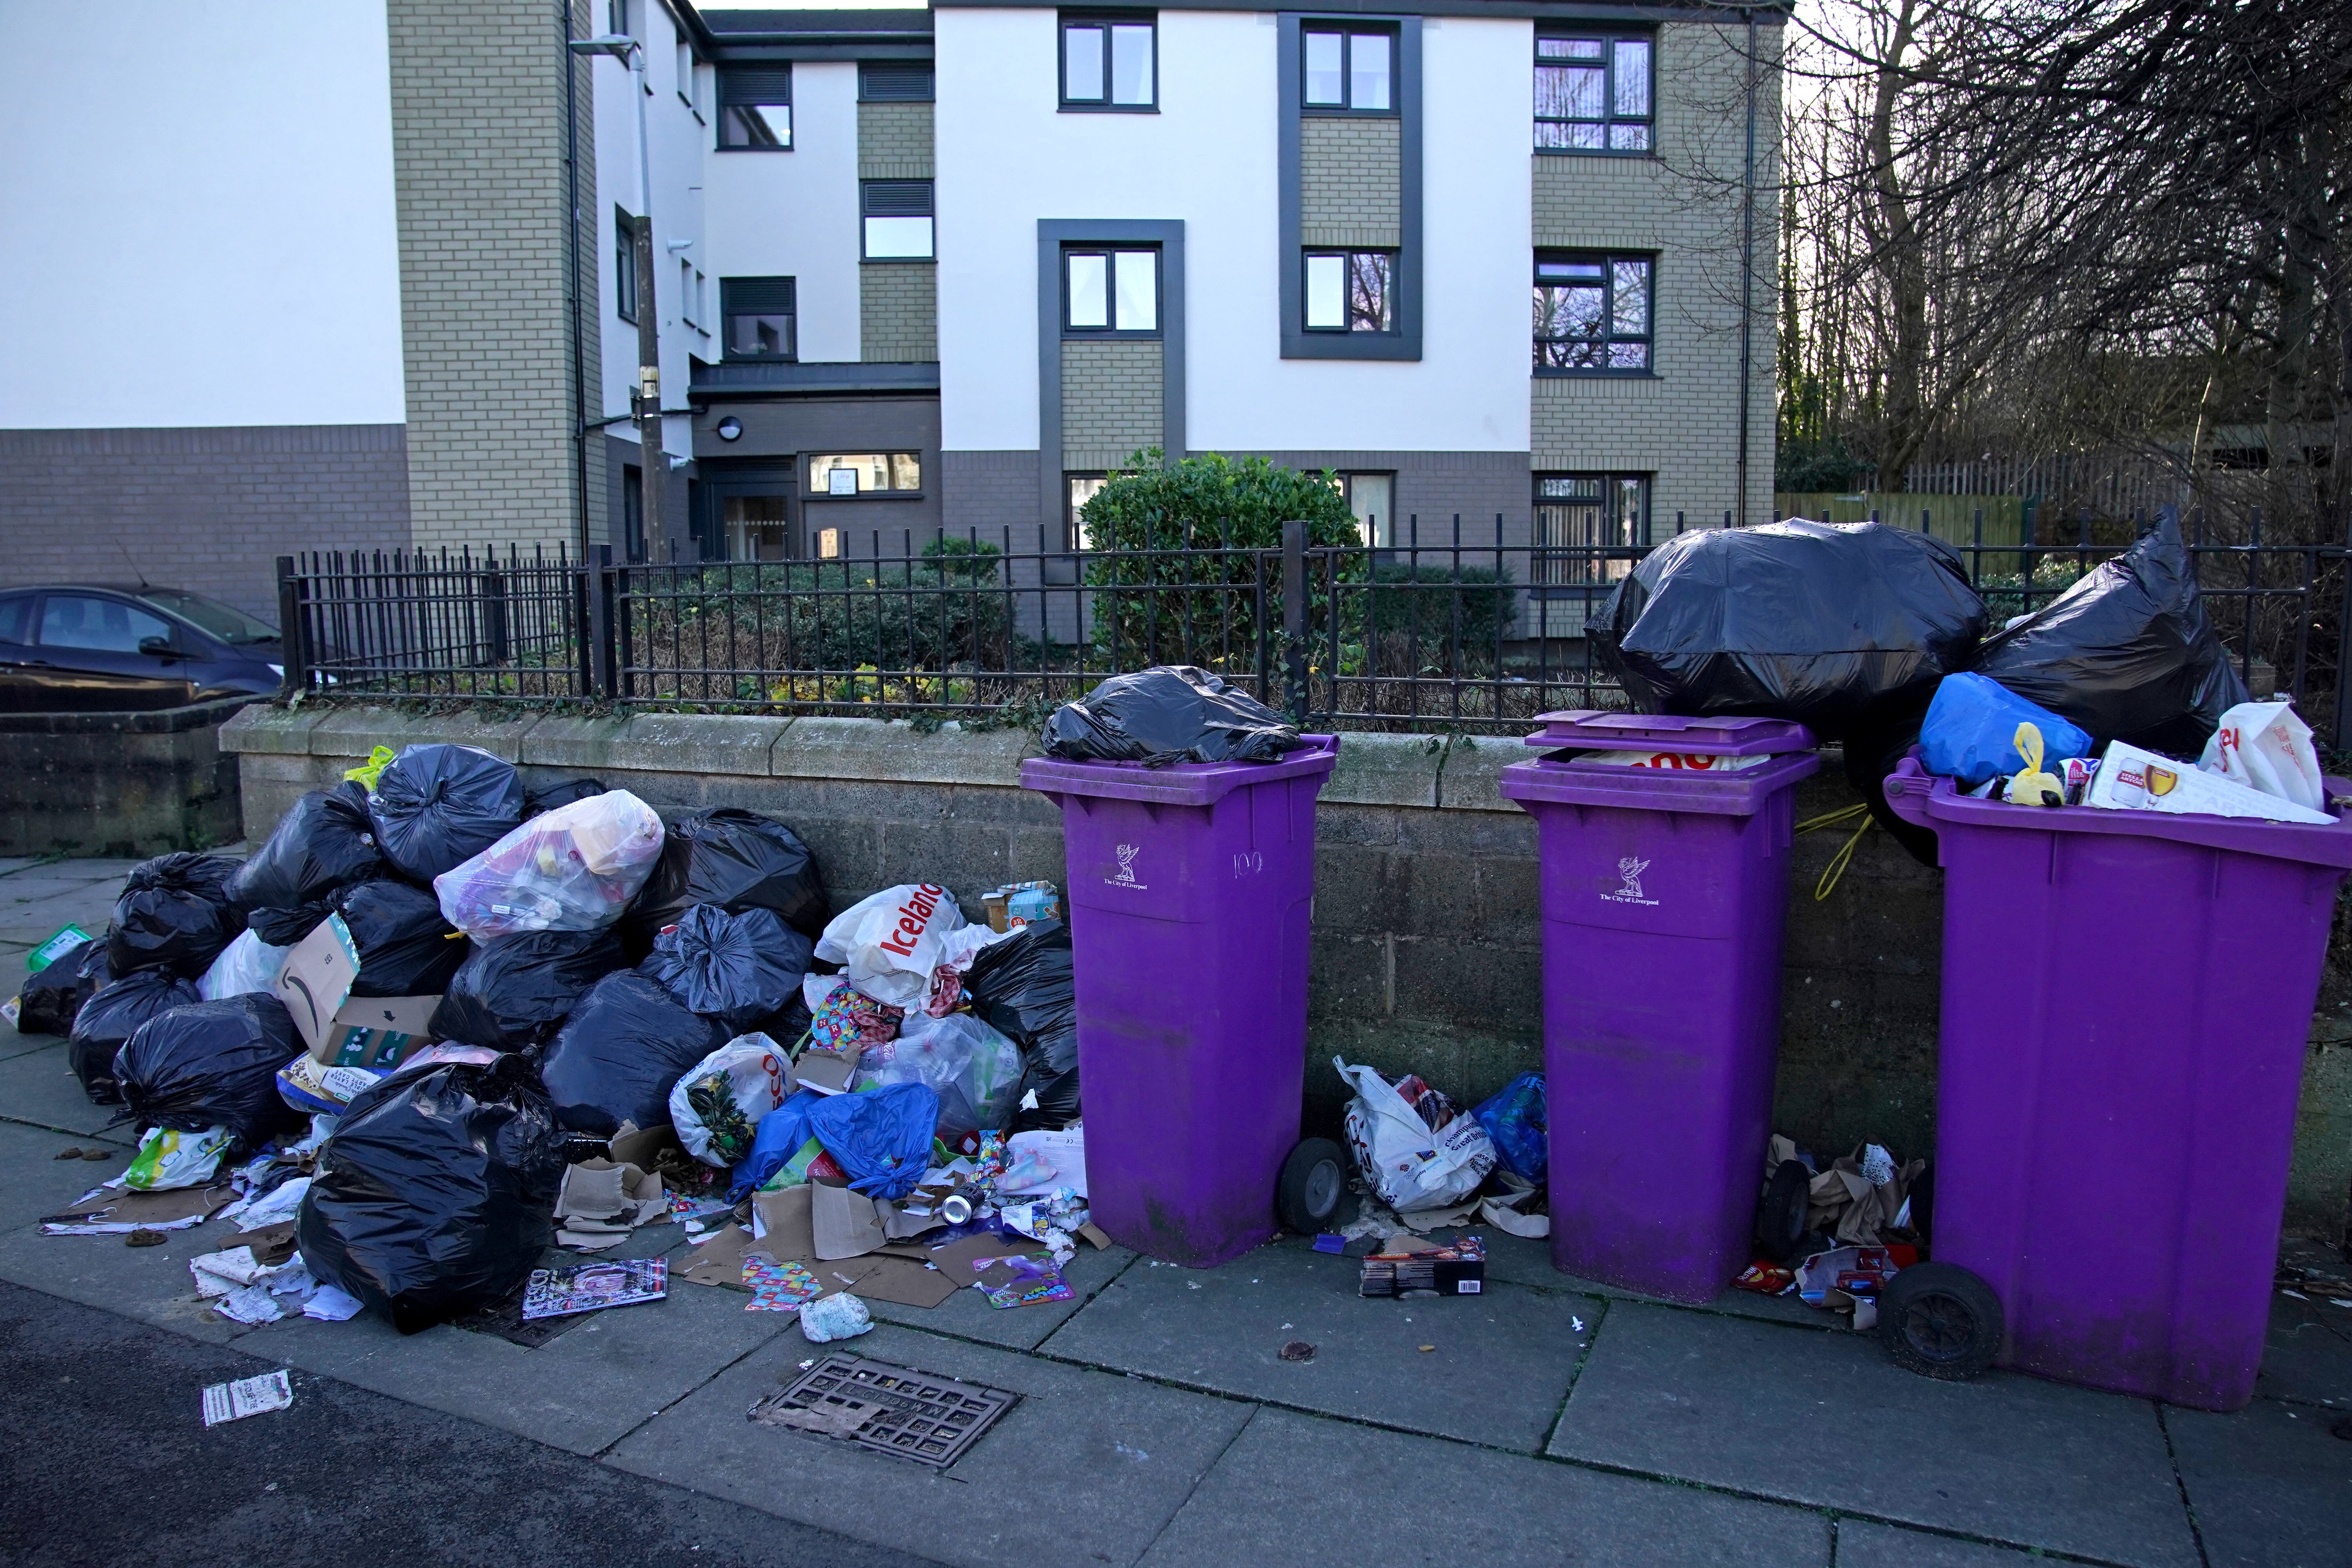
(890, 1409)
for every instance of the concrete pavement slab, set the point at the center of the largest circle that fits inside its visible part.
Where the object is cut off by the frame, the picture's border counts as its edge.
(38, 1088)
(34, 1182)
(1087, 1470)
(1826, 1419)
(1862, 1544)
(967, 1314)
(1501, 1363)
(2307, 1353)
(1492, 1510)
(151, 1284)
(1522, 1261)
(2271, 1487)
(582, 1391)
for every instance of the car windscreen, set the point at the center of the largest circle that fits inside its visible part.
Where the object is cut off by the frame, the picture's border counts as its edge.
(225, 622)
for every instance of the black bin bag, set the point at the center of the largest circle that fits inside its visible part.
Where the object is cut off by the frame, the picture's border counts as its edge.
(512, 991)
(175, 912)
(1169, 713)
(736, 860)
(49, 1000)
(113, 1015)
(1816, 622)
(739, 970)
(435, 1194)
(2126, 653)
(212, 1064)
(323, 843)
(438, 806)
(406, 948)
(547, 797)
(620, 1052)
(1024, 988)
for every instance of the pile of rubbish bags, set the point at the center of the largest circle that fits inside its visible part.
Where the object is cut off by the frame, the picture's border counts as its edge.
(436, 1016)
(1871, 635)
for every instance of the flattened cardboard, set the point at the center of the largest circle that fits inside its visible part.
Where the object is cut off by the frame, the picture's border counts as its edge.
(119, 1205)
(842, 1223)
(786, 1233)
(719, 1260)
(642, 1147)
(956, 1260)
(340, 1029)
(272, 1244)
(904, 1281)
(828, 1073)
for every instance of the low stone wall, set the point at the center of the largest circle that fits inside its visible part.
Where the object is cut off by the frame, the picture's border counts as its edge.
(1427, 944)
(118, 783)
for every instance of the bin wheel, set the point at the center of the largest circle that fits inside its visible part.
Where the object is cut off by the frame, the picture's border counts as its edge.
(1780, 1217)
(1940, 1320)
(1314, 1179)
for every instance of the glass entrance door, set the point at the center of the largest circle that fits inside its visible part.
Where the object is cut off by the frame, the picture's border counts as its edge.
(755, 519)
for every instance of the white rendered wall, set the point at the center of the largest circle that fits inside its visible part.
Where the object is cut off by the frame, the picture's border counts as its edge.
(795, 215)
(199, 222)
(1007, 159)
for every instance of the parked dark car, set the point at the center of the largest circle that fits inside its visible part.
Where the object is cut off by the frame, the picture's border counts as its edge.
(88, 648)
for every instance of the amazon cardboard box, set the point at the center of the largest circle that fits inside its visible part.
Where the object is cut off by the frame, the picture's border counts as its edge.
(341, 1029)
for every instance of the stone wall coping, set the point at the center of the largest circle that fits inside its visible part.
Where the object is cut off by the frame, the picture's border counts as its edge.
(1433, 771)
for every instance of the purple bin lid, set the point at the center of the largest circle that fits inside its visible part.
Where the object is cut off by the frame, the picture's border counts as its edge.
(1722, 736)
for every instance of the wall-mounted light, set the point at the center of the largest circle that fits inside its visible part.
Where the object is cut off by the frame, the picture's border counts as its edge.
(730, 428)
(620, 46)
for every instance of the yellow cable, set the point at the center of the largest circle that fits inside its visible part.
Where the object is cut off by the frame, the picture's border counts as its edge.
(1844, 857)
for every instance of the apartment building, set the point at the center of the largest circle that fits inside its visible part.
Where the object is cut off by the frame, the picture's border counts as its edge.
(377, 273)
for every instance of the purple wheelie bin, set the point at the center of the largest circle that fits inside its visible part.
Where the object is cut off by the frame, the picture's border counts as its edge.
(2126, 1000)
(1664, 891)
(1189, 892)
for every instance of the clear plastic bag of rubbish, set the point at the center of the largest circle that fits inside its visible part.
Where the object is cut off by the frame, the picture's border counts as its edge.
(718, 1105)
(1410, 1166)
(974, 1070)
(2266, 746)
(1816, 622)
(892, 945)
(247, 965)
(1169, 713)
(438, 806)
(1971, 730)
(2128, 652)
(575, 868)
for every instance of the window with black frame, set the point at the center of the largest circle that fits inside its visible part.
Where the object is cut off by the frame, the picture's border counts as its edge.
(1588, 527)
(1110, 62)
(1350, 290)
(625, 265)
(1595, 93)
(762, 318)
(1347, 69)
(755, 109)
(1081, 488)
(897, 220)
(1593, 313)
(894, 82)
(1110, 290)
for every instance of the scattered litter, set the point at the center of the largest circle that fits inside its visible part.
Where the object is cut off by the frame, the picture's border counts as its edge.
(1330, 1242)
(591, 1287)
(1297, 1349)
(1415, 1148)
(1426, 1349)
(1408, 1265)
(144, 1238)
(600, 1203)
(115, 1210)
(248, 1396)
(777, 1287)
(1575, 1324)
(841, 1317)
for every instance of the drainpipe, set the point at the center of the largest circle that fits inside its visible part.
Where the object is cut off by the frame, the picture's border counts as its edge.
(644, 398)
(571, 276)
(1747, 270)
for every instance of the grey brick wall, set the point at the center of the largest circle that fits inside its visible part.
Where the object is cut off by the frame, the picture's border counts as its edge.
(992, 491)
(1350, 181)
(1683, 424)
(208, 509)
(1111, 400)
(897, 304)
(894, 141)
(478, 166)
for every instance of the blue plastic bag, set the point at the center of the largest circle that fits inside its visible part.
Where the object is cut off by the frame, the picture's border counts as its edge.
(1970, 732)
(779, 1137)
(881, 1139)
(1514, 1121)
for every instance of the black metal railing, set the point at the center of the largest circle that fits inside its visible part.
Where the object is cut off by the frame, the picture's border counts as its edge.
(1454, 626)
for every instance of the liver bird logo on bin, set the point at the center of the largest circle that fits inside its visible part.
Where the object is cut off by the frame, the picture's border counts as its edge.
(1127, 853)
(1629, 872)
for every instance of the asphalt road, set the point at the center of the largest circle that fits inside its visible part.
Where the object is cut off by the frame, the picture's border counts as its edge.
(105, 1459)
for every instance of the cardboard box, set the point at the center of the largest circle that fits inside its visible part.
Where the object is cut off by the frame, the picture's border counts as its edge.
(1408, 1263)
(341, 1029)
